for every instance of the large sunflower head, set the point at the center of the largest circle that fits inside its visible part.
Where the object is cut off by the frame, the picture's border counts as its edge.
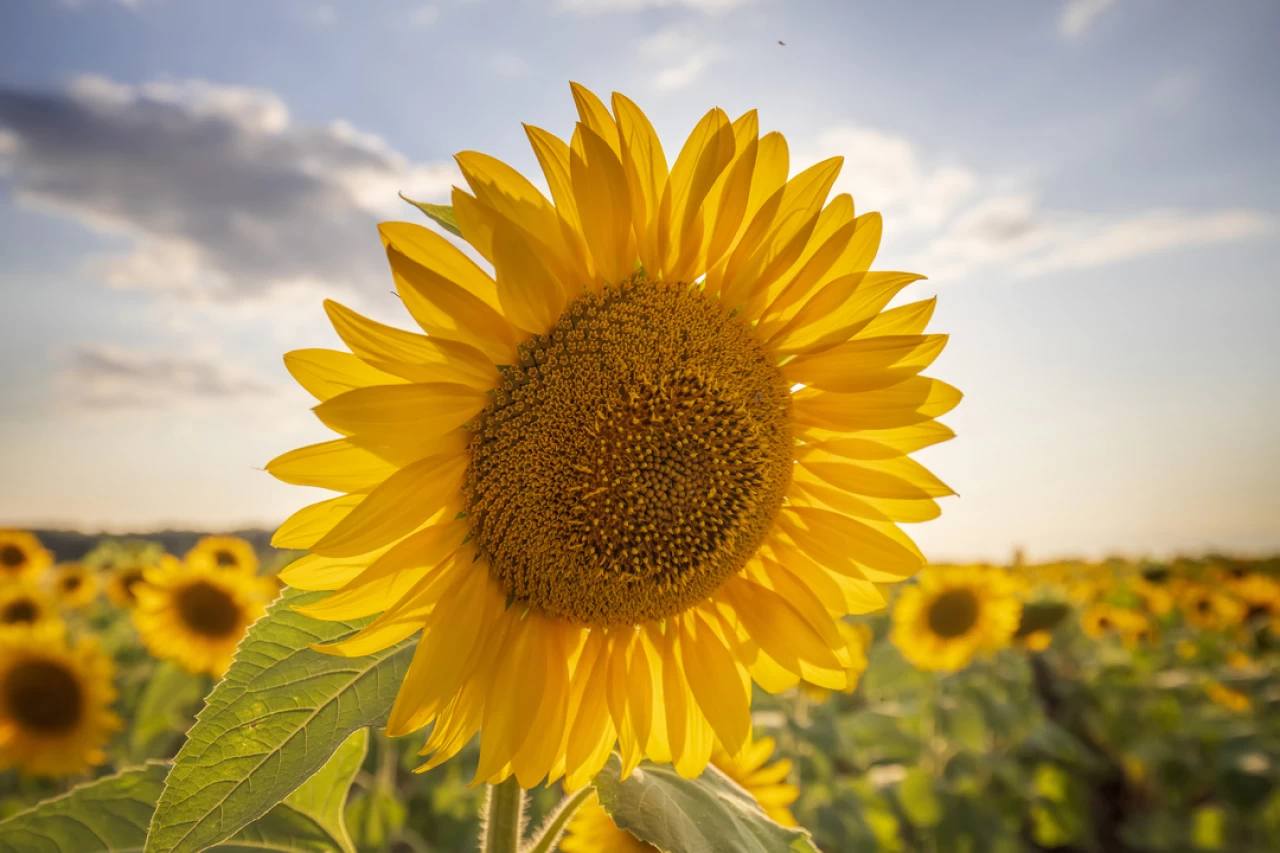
(197, 615)
(73, 585)
(949, 615)
(22, 556)
(593, 831)
(24, 607)
(653, 450)
(228, 553)
(55, 705)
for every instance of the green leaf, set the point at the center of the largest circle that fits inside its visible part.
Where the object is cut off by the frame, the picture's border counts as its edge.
(710, 814)
(108, 815)
(111, 814)
(275, 719)
(1041, 616)
(163, 709)
(442, 214)
(919, 801)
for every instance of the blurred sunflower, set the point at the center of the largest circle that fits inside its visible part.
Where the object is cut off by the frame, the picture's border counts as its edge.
(127, 575)
(224, 552)
(1232, 700)
(1260, 595)
(197, 615)
(593, 831)
(21, 555)
(23, 607)
(949, 615)
(1134, 626)
(55, 705)
(74, 586)
(1209, 609)
(1156, 597)
(1098, 620)
(597, 487)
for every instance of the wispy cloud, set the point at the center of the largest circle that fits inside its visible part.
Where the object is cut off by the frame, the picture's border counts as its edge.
(590, 7)
(222, 192)
(957, 223)
(679, 56)
(110, 377)
(1078, 15)
(424, 16)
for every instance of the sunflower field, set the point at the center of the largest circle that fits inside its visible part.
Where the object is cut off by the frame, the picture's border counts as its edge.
(146, 704)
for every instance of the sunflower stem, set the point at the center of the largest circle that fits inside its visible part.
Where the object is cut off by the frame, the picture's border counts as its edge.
(503, 819)
(553, 827)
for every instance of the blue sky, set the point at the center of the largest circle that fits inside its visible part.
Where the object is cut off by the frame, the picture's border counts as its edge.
(1090, 185)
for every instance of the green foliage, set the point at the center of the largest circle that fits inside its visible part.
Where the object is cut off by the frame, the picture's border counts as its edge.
(163, 709)
(710, 814)
(275, 719)
(111, 815)
(441, 214)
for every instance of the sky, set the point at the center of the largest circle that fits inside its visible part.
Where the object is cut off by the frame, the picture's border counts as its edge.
(1091, 186)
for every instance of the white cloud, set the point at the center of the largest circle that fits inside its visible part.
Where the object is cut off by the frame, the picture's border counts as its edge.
(1078, 15)
(111, 377)
(679, 57)
(884, 172)
(951, 223)
(222, 193)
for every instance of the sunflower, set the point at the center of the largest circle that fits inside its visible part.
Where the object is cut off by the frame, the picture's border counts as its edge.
(593, 831)
(1098, 620)
(24, 607)
(197, 615)
(127, 575)
(224, 552)
(21, 555)
(1207, 608)
(74, 586)
(657, 454)
(1156, 597)
(55, 704)
(1260, 595)
(949, 615)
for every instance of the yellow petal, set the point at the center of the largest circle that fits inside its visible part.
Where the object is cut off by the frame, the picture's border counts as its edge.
(882, 444)
(593, 113)
(391, 576)
(446, 310)
(593, 733)
(407, 499)
(778, 233)
(520, 676)
(501, 188)
(532, 297)
(408, 415)
(532, 761)
(829, 241)
(452, 639)
(604, 203)
(338, 465)
(706, 153)
(553, 156)
(713, 678)
(645, 165)
(851, 547)
(416, 358)
(433, 252)
(901, 477)
(730, 195)
(313, 572)
(310, 524)
(910, 319)
(865, 364)
(911, 402)
(808, 490)
(402, 619)
(783, 633)
(838, 311)
(327, 373)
